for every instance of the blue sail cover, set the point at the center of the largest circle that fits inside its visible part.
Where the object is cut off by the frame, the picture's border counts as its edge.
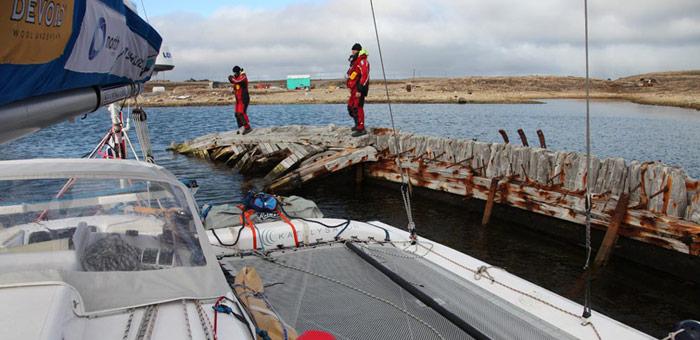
(49, 46)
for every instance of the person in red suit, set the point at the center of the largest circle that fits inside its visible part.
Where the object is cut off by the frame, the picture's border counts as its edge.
(239, 81)
(358, 84)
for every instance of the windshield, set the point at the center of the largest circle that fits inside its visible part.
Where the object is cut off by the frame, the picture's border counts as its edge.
(96, 225)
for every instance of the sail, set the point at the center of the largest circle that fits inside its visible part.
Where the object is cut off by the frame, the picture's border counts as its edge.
(53, 46)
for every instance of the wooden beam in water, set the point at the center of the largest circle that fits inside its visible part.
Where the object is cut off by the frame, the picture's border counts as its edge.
(341, 160)
(666, 201)
(643, 225)
(490, 201)
(297, 153)
(606, 247)
(612, 233)
(237, 152)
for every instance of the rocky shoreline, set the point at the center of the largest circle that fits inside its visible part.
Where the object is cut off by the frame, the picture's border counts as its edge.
(678, 89)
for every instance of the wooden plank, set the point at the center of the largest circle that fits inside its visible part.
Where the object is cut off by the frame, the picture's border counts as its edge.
(666, 202)
(335, 163)
(660, 230)
(606, 246)
(243, 162)
(296, 154)
(612, 233)
(237, 152)
(223, 153)
(489, 201)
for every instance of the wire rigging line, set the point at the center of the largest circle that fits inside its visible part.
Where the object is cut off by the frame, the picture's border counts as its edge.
(587, 294)
(144, 11)
(404, 177)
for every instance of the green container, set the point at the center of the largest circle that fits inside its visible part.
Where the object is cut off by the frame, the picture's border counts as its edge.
(298, 82)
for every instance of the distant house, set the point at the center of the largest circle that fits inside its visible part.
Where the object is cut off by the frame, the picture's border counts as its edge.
(298, 81)
(644, 82)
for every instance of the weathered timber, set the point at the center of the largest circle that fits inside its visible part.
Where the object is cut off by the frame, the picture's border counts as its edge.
(643, 225)
(611, 235)
(606, 246)
(490, 201)
(341, 160)
(663, 209)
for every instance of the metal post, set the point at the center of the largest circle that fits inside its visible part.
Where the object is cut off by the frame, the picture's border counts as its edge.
(540, 136)
(523, 138)
(504, 135)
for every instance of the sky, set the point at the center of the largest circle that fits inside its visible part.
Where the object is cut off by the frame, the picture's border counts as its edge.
(433, 38)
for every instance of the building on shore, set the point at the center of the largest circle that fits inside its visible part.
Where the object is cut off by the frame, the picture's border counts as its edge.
(298, 81)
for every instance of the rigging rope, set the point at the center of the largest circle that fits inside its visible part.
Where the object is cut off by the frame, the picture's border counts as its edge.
(482, 271)
(586, 267)
(140, 119)
(144, 11)
(405, 195)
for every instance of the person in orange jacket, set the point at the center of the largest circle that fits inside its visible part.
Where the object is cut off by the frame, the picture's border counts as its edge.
(358, 84)
(239, 81)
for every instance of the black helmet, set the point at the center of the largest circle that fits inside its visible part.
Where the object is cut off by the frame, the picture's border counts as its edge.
(236, 69)
(356, 47)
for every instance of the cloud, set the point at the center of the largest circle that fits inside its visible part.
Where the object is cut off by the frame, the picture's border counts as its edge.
(437, 38)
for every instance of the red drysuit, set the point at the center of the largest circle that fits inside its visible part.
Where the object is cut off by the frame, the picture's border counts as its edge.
(358, 82)
(240, 90)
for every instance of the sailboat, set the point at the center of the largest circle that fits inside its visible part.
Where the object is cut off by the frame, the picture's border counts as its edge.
(118, 249)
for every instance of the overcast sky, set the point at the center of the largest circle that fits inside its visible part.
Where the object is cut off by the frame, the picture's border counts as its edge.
(274, 38)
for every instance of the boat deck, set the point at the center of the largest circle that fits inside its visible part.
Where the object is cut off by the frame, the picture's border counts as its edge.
(333, 289)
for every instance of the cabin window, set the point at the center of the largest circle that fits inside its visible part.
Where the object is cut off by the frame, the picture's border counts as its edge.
(86, 224)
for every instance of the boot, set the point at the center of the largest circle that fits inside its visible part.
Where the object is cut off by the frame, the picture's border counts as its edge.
(247, 130)
(359, 133)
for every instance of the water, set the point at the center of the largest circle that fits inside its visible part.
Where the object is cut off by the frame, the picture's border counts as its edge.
(644, 298)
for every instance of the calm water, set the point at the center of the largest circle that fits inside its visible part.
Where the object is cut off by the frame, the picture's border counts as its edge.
(639, 296)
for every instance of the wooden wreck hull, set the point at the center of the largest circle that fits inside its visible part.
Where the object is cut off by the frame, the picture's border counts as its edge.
(663, 208)
(642, 225)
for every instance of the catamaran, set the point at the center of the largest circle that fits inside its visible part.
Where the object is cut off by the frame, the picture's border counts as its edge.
(118, 249)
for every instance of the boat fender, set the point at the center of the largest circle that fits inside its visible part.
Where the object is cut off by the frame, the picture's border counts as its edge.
(686, 330)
